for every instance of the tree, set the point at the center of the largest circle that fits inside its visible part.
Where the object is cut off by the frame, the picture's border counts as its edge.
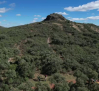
(51, 65)
(42, 87)
(27, 86)
(61, 87)
(80, 82)
(26, 69)
(57, 78)
(95, 87)
(82, 89)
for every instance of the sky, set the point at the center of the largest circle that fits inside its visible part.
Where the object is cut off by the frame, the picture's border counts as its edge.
(20, 12)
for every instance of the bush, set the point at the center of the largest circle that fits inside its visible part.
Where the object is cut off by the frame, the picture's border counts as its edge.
(56, 78)
(42, 87)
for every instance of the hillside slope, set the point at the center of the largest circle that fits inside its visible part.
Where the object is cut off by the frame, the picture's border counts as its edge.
(56, 47)
(1, 27)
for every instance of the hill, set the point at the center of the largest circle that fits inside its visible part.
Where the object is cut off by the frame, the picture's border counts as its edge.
(63, 50)
(1, 27)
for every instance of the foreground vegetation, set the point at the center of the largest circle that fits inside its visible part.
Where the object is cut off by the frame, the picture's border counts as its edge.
(55, 47)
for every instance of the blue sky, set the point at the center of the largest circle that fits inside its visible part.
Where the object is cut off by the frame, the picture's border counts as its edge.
(20, 12)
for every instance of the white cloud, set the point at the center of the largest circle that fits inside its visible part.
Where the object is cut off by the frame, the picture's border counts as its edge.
(68, 17)
(35, 18)
(93, 17)
(43, 18)
(3, 10)
(4, 20)
(12, 5)
(34, 21)
(37, 15)
(77, 19)
(0, 22)
(88, 18)
(2, 2)
(0, 15)
(21, 24)
(93, 13)
(85, 21)
(85, 7)
(62, 13)
(8, 24)
(18, 14)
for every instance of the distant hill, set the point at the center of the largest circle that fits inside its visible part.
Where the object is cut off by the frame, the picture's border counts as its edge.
(67, 52)
(2, 27)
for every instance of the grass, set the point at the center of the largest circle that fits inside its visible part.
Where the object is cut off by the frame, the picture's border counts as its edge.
(34, 81)
(67, 77)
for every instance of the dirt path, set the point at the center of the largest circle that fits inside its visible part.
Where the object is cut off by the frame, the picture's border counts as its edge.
(49, 44)
(11, 60)
(76, 27)
(60, 25)
(49, 41)
(18, 47)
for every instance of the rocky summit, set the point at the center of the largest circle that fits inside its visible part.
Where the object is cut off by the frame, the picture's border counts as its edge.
(55, 16)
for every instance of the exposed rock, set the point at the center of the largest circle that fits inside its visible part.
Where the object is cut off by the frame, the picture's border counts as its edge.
(55, 16)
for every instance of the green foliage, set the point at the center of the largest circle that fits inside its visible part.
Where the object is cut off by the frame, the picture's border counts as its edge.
(51, 64)
(56, 78)
(23, 49)
(42, 87)
(95, 87)
(82, 89)
(23, 67)
(26, 87)
(61, 87)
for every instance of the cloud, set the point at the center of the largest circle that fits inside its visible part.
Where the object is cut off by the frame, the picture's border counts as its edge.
(93, 13)
(68, 17)
(4, 20)
(0, 22)
(18, 14)
(88, 18)
(21, 24)
(3, 10)
(93, 17)
(12, 5)
(35, 20)
(37, 15)
(2, 2)
(62, 13)
(85, 7)
(77, 19)
(43, 18)
(0, 15)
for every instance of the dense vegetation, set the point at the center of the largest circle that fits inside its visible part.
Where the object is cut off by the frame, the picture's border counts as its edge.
(54, 47)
